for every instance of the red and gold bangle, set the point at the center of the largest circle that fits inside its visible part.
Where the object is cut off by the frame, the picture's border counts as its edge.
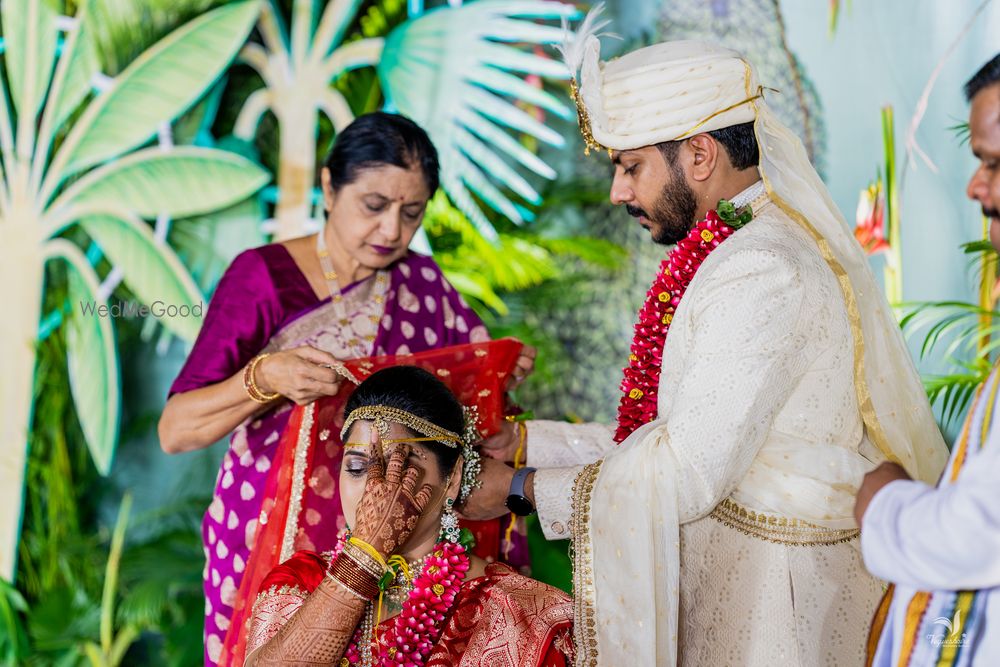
(250, 383)
(345, 571)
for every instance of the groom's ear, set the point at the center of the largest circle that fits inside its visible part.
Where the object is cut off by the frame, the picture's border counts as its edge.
(702, 156)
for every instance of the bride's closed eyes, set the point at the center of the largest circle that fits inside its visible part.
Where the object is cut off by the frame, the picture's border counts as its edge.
(356, 461)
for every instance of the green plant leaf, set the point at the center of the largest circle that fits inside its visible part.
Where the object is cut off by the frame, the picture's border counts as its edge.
(14, 637)
(181, 182)
(92, 357)
(150, 269)
(30, 35)
(157, 86)
(475, 286)
(77, 66)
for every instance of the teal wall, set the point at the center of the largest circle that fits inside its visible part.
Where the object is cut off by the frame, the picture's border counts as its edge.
(883, 53)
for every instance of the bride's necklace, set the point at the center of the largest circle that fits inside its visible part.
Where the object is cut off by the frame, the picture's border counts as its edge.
(428, 601)
(336, 295)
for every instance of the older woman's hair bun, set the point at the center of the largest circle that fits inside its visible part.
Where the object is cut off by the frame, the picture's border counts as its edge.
(377, 139)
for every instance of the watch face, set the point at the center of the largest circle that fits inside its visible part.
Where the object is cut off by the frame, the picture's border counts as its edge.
(519, 505)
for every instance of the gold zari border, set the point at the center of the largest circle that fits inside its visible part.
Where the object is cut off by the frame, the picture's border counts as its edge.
(779, 529)
(585, 622)
(298, 483)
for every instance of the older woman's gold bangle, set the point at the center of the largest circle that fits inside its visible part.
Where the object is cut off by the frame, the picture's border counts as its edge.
(250, 383)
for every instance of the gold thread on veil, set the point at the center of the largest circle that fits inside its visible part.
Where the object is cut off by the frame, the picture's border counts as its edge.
(863, 392)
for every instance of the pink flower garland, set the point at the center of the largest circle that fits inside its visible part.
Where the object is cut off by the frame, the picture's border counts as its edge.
(641, 379)
(419, 625)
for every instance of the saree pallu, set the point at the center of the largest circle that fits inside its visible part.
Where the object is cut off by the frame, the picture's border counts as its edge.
(301, 506)
(500, 619)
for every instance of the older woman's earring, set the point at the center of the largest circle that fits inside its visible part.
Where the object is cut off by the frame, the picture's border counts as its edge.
(449, 522)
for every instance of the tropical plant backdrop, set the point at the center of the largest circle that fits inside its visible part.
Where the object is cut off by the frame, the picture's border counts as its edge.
(144, 143)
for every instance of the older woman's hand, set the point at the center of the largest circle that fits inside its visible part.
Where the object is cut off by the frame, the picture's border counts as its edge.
(391, 504)
(301, 374)
(525, 366)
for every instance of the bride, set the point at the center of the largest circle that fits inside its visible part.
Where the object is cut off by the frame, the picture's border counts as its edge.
(401, 587)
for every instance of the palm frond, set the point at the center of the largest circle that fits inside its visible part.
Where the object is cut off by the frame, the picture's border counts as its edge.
(451, 71)
(952, 393)
(962, 132)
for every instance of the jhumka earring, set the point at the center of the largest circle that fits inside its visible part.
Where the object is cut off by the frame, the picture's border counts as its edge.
(449, 522)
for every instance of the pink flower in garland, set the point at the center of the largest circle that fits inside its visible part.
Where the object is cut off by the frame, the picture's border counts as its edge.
(413, 633)
(641, 380)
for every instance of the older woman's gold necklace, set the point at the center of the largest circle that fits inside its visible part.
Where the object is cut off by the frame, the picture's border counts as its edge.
(337, 297)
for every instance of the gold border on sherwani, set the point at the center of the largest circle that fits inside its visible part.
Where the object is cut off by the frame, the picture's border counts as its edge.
(779, 529)
(584, 592)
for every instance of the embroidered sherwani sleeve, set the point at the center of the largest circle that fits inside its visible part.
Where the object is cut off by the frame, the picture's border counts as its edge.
(945, 538)
(559, 450)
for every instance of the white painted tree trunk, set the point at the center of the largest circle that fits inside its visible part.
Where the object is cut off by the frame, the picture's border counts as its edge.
(296, 164)
(22, 281)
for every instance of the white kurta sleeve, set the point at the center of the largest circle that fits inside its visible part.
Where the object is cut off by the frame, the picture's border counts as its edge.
(945, 538)
(556, 449)
(746, 353)
(553, 443)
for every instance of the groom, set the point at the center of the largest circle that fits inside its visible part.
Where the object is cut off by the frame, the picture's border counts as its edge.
(719, 530)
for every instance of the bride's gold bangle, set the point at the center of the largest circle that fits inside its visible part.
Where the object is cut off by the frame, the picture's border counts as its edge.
(250, 383)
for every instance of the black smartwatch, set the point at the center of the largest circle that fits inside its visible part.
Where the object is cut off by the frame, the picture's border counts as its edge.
(517, 502)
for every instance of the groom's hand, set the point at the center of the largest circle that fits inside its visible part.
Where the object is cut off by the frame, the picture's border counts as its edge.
(488, 501)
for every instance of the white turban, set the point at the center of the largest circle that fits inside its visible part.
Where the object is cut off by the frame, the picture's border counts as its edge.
(664, 92)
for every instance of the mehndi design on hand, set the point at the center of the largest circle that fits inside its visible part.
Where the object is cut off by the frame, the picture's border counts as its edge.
(391, 504)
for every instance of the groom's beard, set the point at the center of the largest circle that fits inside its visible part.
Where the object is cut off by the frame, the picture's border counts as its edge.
(673, 213)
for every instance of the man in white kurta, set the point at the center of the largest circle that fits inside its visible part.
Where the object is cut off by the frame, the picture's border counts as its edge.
(940, 546)
(721, 532)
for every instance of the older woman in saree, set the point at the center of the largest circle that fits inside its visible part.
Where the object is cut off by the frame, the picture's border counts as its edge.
(285, 313)
(400, 588)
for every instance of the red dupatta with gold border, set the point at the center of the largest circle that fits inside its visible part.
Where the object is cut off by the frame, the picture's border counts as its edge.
(301, 507)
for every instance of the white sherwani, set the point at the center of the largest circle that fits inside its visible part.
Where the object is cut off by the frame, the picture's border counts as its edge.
(758, 418)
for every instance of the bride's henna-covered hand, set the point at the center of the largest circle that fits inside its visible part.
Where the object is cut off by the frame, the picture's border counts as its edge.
(391, 505)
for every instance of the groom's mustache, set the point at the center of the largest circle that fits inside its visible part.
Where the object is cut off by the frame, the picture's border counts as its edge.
(636, 212)
(987, 212)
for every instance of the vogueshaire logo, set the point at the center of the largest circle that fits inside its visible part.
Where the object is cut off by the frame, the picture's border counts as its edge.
(132, 309)
(953, 635)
